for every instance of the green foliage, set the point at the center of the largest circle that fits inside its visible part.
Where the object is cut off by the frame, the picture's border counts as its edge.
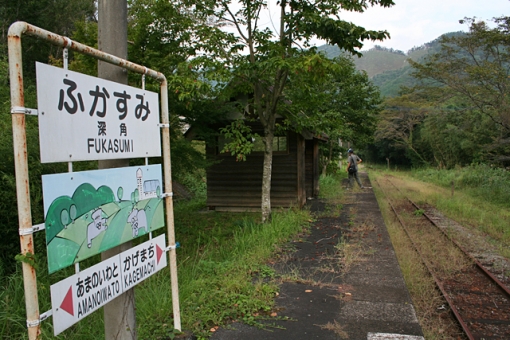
(273, 60)
(221, 270)
(390, 83)
(222, 277)
(468, 77)
(389, 69)
(12, 302)
(86, 33)
(342, 104)
(239, 139)
(456, 113)
(379, 60)
(330, 185)
(27, 258)
(488, 183)
(196, 183)
(58, 16)
(9, 245)
(400, 126)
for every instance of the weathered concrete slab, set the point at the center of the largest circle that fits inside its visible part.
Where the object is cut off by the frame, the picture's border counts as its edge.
(369, 301)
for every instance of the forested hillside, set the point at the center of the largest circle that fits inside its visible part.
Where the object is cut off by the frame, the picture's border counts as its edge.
(389, 69)
(453, 110)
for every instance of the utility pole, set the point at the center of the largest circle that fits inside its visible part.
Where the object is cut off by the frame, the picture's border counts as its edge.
(119, 315)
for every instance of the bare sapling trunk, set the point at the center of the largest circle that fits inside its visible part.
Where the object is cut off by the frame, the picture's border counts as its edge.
(266, 176)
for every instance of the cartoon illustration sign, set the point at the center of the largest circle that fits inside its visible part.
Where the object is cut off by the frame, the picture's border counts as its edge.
(88, 118)
(89, 212)
(79, 295)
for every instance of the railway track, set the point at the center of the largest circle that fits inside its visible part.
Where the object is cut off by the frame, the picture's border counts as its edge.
(478, 300)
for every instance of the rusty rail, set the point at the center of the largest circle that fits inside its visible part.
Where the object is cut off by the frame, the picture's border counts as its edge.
(498, 284)
(438, 283)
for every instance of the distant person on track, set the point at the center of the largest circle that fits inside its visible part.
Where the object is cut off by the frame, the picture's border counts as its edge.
(352, 168)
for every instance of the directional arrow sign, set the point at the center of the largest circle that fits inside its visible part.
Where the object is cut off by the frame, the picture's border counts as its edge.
(140, 262)
(79, 295)
(67, 303)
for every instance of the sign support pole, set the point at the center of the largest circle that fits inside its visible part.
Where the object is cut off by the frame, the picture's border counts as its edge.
(22, 186)
(167, 178)
(119, 315)
(16, 30)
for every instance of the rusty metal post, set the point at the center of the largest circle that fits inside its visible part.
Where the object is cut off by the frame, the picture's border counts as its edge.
(169, 203)
(22, 186)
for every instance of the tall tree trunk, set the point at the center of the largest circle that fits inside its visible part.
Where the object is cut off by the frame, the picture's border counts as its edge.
(266, 102)
(266, 174)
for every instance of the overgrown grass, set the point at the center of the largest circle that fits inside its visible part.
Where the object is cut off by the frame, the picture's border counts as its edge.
(481, 181)
(473, 204)
(434, 320)
(331, 190)
(221, 269)
(330, 186)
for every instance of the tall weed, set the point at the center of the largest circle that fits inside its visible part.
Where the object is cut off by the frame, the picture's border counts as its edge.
(221, 269)
(330, 185)
(219, 265)
(482, 181)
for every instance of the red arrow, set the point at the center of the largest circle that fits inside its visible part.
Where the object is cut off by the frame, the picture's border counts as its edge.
(159, 252)
(67, 303)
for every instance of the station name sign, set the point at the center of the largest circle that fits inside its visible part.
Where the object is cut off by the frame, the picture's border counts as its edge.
(79, 295)
(87, 118)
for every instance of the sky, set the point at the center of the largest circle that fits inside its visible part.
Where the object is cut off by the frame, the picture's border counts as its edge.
(415, 22)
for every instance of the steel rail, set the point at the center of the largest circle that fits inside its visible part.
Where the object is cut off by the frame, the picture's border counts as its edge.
(500, 284)
(438, 283)
(489, 276)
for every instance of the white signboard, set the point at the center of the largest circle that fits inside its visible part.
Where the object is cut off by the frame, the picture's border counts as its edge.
(87, 118)
(79, 295)
(142, 261)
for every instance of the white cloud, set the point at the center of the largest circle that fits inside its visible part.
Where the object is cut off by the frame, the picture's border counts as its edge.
(415, 22)
(410, 22)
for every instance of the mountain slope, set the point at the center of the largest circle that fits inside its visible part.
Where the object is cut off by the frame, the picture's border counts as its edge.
(389, 69)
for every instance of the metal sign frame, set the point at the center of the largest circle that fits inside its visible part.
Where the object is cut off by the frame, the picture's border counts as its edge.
(18, 112)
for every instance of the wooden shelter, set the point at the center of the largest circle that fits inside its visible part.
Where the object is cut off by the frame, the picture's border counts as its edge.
(237, 186)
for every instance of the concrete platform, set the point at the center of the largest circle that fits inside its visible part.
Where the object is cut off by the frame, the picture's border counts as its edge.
(325, 301)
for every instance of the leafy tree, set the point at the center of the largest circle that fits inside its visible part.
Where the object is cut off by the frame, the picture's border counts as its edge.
(455, 135)
(342, 104)
(400, 124)
(474, 69)
(58, 16)
(172, 37)
(272, 57)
